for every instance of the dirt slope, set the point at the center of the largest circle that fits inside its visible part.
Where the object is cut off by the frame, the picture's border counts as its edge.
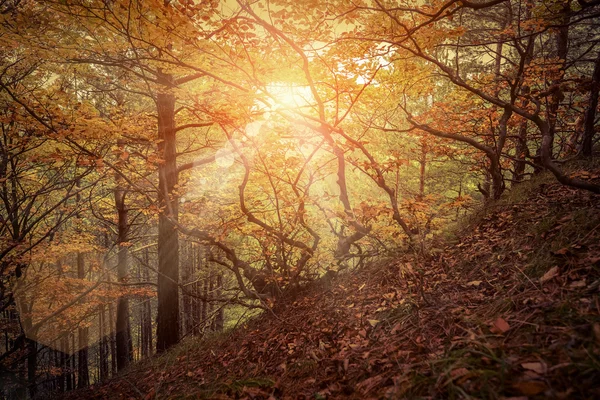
(510, 309)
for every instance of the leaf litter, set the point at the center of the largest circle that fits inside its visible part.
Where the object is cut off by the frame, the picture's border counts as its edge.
(511, 311)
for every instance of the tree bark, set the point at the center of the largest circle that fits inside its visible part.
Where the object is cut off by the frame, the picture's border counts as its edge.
(111, 341)
(167, 321)
(198, 303)
(123, 332)
(103, 351)
(422, 169)
(589, 123)
(220, 317)
(187, 277)
(562, 42)
(204, 314)
(520, 153)
(82, 355)
(32, 366)
(146, 314)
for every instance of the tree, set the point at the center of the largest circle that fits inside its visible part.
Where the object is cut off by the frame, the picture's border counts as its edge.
(509, 100)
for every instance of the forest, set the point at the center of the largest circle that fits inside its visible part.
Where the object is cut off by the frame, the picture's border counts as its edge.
(268, 199)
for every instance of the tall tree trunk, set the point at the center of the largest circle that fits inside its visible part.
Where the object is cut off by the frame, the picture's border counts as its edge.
(167, 320)
(60, 378)
(146, 313)
(63, 364)
(73, 362)
(589, 126)
(495, 166)
(103, 351)
(422, 169)
(123, 332)
(219, 318)
(198, 303)
(211, 305)
(82, 370)
(562, 43)
(187, 278)
(111, 343)
(32, 366)
(520, 153)
(205, 294)
(521, 148)
(68, 371)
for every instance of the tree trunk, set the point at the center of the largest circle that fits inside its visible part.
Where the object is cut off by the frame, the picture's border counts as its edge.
(73, 362)
(123, 332)
(205, 294)
(82, 368)
(562, 41)
(198, 303)
(520, 153)
(188, 277)
(32, 366)
(64, 381)
(219, 318)
(111, 342)
(103, 351)
(167, 320)
(146, 314)
(422, 169)
(211, 305)
(589, 125)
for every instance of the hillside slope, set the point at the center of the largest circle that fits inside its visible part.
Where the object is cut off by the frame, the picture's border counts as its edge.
(510, 309)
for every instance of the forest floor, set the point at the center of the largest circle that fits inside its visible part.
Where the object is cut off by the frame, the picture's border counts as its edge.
(508, 307)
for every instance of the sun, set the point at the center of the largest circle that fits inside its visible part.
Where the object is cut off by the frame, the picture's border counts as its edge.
(288, 96)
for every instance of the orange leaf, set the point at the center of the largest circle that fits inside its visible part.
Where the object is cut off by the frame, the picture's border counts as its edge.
(530, 388)
(500, 326)
(552, 272)
(538, 367)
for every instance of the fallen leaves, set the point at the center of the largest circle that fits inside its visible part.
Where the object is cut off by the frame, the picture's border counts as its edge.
(375, 338)
(530, 388)
(537, 367)
(500, 326)
(550, 274)
(368, 384)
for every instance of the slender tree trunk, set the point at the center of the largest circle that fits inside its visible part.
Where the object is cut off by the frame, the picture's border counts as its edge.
(198, 304)
(521, 147)
(123, 331)
(113, 349)
(82, 370)
(219, 318)
(497, 180)
(63, 365)
(589, 123)
(205, 294)
(146, 313)
(187, 277)
(167, 321)
(422, 169)
(67, 361)
(562, 42)
(103, 351)
(520, 152)
(32, 361)
(73, 362)
(58, 361)
(211, 305)
(495, 166)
